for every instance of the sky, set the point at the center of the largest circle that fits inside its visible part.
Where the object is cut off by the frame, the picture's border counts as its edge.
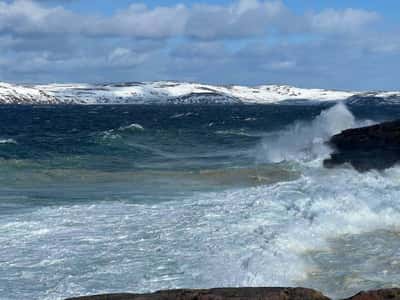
(351, 45)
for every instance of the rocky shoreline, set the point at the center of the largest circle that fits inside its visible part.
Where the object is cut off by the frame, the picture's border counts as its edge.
(258, 293)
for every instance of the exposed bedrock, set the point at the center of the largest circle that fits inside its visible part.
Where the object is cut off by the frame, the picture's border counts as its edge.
(366, 148)
(244, 294)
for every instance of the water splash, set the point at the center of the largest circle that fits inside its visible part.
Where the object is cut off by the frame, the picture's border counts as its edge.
(305, 141)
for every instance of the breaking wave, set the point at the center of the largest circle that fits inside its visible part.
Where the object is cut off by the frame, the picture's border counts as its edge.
(281, 230)
(305, 141)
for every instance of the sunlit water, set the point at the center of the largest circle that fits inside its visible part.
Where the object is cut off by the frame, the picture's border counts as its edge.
(140, 198)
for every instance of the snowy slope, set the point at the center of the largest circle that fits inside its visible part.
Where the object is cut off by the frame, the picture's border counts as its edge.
(168, 92)
(374, 98)
(17, 94)
(174, 92)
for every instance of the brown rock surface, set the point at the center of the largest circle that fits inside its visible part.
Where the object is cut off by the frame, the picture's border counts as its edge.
(385, 294)
(219, 294)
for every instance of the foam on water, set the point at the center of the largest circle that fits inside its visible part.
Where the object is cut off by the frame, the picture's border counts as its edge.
(286, 233)
(248, 237)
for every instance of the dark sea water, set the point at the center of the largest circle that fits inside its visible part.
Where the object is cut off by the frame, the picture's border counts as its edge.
(100, 199)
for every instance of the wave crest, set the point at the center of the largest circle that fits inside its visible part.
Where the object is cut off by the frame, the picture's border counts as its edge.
(8, 141)
(131, 127)
(116, 134)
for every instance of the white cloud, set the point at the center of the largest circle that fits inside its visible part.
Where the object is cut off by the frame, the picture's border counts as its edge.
(240, 19)
(140, 21)
(124, 57)
(342, 21)
(28, 17)
(244, 41)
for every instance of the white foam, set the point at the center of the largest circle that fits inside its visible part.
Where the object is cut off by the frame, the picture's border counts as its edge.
(132, 127)
(7, 141)
(307, 141)
(250, 237)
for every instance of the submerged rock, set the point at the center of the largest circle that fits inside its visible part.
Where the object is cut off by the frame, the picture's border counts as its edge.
(366, 148)
(219, 294)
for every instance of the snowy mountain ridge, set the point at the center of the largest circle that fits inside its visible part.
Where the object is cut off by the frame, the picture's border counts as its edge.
(169, 92)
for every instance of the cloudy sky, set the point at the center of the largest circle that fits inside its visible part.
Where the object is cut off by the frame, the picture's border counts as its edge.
(309, 43)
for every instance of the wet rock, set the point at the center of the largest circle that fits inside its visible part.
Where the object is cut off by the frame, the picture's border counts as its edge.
(366, 148)
(219, 294)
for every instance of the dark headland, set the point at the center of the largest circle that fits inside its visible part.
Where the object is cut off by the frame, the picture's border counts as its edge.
(245, 294)
(373, 147)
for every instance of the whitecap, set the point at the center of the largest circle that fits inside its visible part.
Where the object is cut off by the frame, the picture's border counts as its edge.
(7, 141)
(113, 134)
(240, 132)
(181, 115)
(132, 127)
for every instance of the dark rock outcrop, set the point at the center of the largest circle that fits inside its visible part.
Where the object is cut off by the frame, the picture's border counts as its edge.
(219, 294)
(372, 147)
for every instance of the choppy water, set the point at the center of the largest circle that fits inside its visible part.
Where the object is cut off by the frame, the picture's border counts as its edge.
(100, 199)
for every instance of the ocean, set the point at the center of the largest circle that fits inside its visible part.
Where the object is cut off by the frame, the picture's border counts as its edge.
(118, 198)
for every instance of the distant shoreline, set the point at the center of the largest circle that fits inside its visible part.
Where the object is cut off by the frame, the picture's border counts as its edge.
(161, 92)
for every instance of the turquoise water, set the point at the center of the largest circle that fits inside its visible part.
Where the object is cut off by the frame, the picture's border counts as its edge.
(100, 199)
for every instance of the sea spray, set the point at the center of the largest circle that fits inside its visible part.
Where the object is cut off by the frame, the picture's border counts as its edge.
(305, 141)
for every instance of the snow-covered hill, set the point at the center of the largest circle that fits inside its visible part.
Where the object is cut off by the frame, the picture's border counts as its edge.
(375, 98)
(16, 94)
(168, 92)
(182, 92)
